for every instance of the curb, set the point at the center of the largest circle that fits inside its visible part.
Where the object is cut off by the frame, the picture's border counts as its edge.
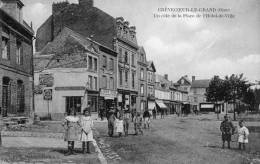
(101, 157)
(31, 134)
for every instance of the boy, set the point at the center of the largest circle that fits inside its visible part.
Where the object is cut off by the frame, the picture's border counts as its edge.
(138, 124)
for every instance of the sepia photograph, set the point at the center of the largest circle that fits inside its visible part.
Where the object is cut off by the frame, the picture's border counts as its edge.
(129, 82)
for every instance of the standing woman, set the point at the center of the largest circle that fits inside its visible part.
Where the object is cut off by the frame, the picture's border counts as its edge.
(86, 124)
(72, 130)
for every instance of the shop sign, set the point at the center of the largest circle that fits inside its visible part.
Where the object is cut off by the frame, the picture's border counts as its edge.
(119, 98)
(108, 94)
(46, 80)
(47, 94)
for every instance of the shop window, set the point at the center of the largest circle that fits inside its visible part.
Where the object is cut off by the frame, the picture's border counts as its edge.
(120, 54)
(126, 57)
(95, 83)
(20, 96)
(73, 103)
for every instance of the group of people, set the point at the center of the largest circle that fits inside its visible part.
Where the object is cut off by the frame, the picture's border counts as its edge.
(120, 120)
(78, 128)
(227, 129)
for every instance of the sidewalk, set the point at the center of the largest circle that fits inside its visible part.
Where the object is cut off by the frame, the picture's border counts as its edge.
(44, 150)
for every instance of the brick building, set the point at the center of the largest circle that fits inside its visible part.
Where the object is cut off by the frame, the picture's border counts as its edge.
(16, 61)
(114, 33)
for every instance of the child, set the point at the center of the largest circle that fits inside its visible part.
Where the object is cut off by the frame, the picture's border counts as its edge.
(86, 124)
(72, 132)
(138, 124)
(120, 125)
(242, 135)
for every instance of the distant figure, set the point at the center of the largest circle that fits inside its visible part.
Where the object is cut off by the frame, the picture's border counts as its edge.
(119, 126)
(138, 124)
(146, 117)
(154, 113)
(111, 120)
(127, 117)
(227, 129)
(86, 124)
(72, 130)
(162, 113)
(243, 134)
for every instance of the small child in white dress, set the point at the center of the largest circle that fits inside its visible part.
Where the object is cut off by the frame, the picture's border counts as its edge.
(120, 126)
(243, 134)
(86, 124)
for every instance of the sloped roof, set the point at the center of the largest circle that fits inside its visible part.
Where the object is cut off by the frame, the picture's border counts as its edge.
(151, 65)
(200, 83)
(186, 80)
(65, 48)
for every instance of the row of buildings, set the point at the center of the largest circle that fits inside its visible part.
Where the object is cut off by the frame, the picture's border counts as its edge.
(83, 55)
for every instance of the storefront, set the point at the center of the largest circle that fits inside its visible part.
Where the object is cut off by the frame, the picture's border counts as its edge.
(160, 106)
(127, 100)
(107, 100)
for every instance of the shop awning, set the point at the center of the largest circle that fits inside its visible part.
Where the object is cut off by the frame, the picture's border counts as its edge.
(161, 104)
(151, 105)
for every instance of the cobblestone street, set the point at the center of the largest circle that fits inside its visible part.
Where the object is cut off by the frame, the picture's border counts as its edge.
(192, 139)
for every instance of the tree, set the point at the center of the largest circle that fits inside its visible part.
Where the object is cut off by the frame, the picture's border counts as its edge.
(236, 86)
(215, 91)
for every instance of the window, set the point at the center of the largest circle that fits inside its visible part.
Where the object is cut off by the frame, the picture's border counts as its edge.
(142, 73)
(104, 61)
(142, 105)
(95, 64)
(90, 63)
(120, 55)
(104, 81)
(111, 64)
(19, 55)
(73, 103)
(120, 77)
(126, 57)
(20, 96)
(142, 89)
(142, 57)
(133, 79)
(90, 81)
(195, 99)
(133, 59)
(95, 83)
(111, 83)
(5, 48)
(126, 76)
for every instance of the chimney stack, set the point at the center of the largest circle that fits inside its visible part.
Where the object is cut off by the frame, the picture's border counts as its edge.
(193, 78)
(166, 76)
(86, 3)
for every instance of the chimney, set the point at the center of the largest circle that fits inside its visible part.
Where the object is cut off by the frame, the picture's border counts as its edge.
(193, 78)
(86, 3)
(166, 76)
(59, 6)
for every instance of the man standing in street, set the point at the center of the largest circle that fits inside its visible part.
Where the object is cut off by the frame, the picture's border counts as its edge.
(111, 121)
(227, 129)
(127, 117)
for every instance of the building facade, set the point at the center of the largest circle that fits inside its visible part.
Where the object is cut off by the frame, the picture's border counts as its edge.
(197, 92)
(142, 80)
(90, 79)
(127, 48)
(150, 85)
(16, 61)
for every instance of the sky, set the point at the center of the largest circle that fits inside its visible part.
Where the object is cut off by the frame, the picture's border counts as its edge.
(202, 47)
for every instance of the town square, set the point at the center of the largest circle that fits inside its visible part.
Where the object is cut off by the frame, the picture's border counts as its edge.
(102, 81)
